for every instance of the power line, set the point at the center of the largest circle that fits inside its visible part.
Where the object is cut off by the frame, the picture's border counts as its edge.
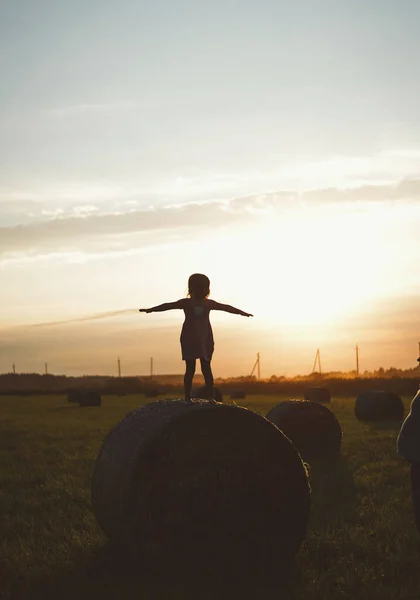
(256, 366)
(357, 359)
(317, 360)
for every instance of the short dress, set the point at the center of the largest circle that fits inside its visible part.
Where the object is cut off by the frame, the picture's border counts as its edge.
(196, 335)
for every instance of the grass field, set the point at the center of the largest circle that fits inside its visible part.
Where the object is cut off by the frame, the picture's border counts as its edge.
(361, 543)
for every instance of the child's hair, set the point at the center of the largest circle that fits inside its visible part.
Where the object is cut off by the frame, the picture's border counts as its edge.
(198, 286)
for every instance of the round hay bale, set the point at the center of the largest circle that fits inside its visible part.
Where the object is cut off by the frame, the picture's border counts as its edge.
(203, 392)
(311, 427)
(238, 395)
(201, 489)
(74, 396)
(379, 405)
(90, 398)
(318, 394)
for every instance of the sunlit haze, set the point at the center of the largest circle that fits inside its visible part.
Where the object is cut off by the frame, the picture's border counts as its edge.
(274, 146)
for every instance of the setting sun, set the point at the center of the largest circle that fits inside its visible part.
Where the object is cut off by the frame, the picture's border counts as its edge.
(311, 267)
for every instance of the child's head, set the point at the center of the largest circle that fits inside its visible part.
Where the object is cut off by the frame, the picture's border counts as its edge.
(198, 286)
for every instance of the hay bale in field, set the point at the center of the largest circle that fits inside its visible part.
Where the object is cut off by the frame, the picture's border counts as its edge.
(318, 394)
(408, 442)
(311, 427)
(238, 395)
(379, 405)
(90, 398)
(201, 489)
(151, 393)
(203, 392)
(74, 396)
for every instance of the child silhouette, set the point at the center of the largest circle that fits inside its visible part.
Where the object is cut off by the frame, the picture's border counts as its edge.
(197, 334)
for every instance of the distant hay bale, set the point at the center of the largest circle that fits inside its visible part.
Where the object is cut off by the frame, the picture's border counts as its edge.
(201, 489)
(311, 427)
(318, 394)
(74, 396)
(89, 398)
(203, 392)
(84, 398)
(379, 405)
(238, 395)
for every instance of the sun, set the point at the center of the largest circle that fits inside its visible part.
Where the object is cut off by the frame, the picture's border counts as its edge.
(312, 268)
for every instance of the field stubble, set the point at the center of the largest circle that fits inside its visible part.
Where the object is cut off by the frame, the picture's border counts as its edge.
(361, 543)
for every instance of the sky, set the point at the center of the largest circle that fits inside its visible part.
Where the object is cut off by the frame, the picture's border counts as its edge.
(274, 146)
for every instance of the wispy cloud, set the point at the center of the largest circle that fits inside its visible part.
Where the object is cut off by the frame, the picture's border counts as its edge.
(160, 184)
(88, 229)
(95, 317)
(75, 232)
(78, 211)
(351, 198)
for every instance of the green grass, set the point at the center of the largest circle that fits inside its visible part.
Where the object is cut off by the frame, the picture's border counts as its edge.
(361, 543)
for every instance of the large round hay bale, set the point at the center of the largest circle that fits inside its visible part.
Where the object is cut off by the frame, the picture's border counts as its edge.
(311, 427)
(318, 394)
(74, 396)
(379, 405)
(201, 489)
(238, 395)
(203, 392)
(90, 398)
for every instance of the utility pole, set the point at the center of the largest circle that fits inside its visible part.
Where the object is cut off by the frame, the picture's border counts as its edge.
(119, 367)
(14, 369)
(317, 360)
(46, 368)
(256, 366)
(357, 359)
(151, 366)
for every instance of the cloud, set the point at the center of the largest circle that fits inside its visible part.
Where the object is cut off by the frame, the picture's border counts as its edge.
(406, 190)
(403, 191)
(86, 232)
(95, 317)
(89, 230)
(77, 210)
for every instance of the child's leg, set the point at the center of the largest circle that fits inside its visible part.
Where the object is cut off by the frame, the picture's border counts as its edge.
(188, 378)
(415, 486)
(208, 376)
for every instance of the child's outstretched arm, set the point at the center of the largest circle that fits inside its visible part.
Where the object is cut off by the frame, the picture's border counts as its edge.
(230, 309)
(162, 307)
